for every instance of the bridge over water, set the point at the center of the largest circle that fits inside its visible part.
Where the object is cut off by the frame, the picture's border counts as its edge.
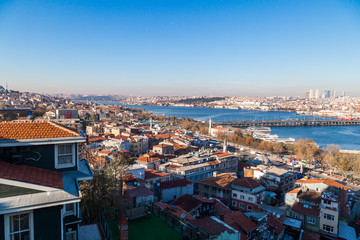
(292, 123)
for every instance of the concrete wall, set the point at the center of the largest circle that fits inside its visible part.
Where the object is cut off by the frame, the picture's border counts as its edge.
(171, 194)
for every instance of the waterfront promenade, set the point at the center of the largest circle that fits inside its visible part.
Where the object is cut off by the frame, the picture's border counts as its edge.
(292, 123)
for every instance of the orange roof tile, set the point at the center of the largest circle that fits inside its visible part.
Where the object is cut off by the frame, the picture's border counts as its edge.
(150, 174)
(222, 154)
(30, 174)
(295, 190)
(34, 130)
(328, 182)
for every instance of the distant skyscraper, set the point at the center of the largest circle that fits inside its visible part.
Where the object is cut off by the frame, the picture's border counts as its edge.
(317, 93)
(311, 93)
(343, 93)
(327, 93)
(307, 94)
(334, 94)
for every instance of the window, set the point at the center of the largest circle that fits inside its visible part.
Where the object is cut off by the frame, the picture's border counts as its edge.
(329, 217)
(234, 204)
(241, 205)
(234, 195)
(249, 207)
(311, 220)
(64, 155)
(70, 209)
(71, 235)
(328, 228)
(242, 197)
(251, 199)
(19, 226)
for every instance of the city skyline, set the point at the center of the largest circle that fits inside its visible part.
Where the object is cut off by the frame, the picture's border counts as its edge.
(252, 48)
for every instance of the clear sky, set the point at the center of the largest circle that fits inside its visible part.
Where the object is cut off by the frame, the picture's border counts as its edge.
(253, 48)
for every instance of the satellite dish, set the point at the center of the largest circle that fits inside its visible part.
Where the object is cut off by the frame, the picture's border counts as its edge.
(277, 215)
(274, 213)
(183, 215)
(158, 184)
(135, 183)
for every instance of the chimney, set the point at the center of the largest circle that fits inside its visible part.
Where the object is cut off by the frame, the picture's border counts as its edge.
(123, 228)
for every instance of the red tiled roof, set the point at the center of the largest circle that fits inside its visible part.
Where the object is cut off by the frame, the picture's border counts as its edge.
(309, 236)
(164, 136)
(187, 202)
(222, 154)
(247, 183)
(30, 174)
(211, 226)
(219, 128)
(220, 208)
(219, 181)
(240, 222)
(275, 224)
(175, 183)
(299, 207)
(328, 182)
(162, 146)
(151, 174)
(147, 159)
(296, 190)
(34, 130)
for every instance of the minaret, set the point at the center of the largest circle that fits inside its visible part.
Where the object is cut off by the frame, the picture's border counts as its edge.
(225, 145)
(151, 123)
(210, 123)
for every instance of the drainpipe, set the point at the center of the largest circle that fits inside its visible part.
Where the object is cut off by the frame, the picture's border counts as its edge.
(301, 233)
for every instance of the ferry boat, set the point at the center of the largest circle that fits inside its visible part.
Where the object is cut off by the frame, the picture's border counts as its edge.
(258, 129)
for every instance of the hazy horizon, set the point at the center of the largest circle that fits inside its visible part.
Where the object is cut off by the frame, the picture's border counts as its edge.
(180, 48)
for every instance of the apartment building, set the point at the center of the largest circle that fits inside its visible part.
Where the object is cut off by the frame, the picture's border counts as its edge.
(246, 194)
(197, 166)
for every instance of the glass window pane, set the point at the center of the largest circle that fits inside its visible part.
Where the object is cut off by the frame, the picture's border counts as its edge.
(14, 223)
(65, 148)
(70, 236)
(15, 236)
(25, 236)
(24, 221)
(65, 159)
(69, 207)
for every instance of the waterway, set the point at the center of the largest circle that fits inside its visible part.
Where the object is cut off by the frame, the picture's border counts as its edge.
(346, 137)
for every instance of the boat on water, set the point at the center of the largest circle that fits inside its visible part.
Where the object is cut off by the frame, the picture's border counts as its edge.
(258, 129)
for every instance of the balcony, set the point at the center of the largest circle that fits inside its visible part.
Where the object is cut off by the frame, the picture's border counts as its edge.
(329, 207)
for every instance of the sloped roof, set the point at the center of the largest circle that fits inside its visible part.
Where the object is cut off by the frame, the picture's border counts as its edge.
(175, 183)
(275, 224)
(34, 130)
(221, 182)
(30, 174)
(240, 222)
(150, 174)
(211, 226)
(328, 182)
(187, 202)
(300, 208)
(247, 183)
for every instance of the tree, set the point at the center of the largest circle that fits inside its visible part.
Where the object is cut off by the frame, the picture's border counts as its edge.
(345, 164)
(117, 170)
(330, 156)
(305, 149)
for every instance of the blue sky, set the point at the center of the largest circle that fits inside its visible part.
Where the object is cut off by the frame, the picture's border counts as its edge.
(252, 48)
